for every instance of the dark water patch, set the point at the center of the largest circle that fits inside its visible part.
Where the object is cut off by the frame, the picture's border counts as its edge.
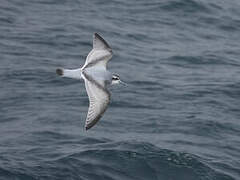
(60, 138)
(132, 104)
(196, 60)
(230, 25)
(6, 20)
(49, 2)
(214, 129)
(131, 161)
(186, 6)
(10, 7)
(5, 174)
(121, 160)
(144, 83)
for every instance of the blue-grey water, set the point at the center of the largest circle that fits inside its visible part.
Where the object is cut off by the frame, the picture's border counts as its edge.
(178, 118)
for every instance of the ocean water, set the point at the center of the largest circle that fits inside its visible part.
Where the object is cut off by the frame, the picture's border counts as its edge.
(178, 118)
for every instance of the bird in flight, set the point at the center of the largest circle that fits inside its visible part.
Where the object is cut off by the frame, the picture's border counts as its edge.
(96, 77)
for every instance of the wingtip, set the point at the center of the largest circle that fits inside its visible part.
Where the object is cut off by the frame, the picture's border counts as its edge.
(86, 127)
(89, 126)
(97, 35)
(100, 38)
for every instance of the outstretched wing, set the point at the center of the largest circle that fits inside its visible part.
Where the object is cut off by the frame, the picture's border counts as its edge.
(99, 98)
(100, 54)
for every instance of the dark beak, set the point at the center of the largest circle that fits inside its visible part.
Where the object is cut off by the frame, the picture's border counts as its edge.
(123, 83)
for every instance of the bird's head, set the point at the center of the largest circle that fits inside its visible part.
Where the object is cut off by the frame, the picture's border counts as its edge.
(116, 79)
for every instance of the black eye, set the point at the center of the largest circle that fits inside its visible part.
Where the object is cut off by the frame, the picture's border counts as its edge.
(114, 78)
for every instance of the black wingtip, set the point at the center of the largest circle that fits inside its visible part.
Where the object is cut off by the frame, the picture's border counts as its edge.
(59, 71)
(89, 126)
(97, 36)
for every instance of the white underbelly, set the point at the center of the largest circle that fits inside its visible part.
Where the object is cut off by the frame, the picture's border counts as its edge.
(99, 74)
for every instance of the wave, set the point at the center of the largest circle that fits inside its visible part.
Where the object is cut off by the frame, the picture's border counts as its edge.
(119, 160)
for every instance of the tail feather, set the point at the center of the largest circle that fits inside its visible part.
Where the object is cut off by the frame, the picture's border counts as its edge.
(59, 71)
(70, 73)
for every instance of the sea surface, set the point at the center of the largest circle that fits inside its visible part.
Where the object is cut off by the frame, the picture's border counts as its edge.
(178, 118)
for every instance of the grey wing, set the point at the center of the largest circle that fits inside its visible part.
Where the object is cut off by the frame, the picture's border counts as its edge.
(100, 54)
(100, 43)
(99, 98)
